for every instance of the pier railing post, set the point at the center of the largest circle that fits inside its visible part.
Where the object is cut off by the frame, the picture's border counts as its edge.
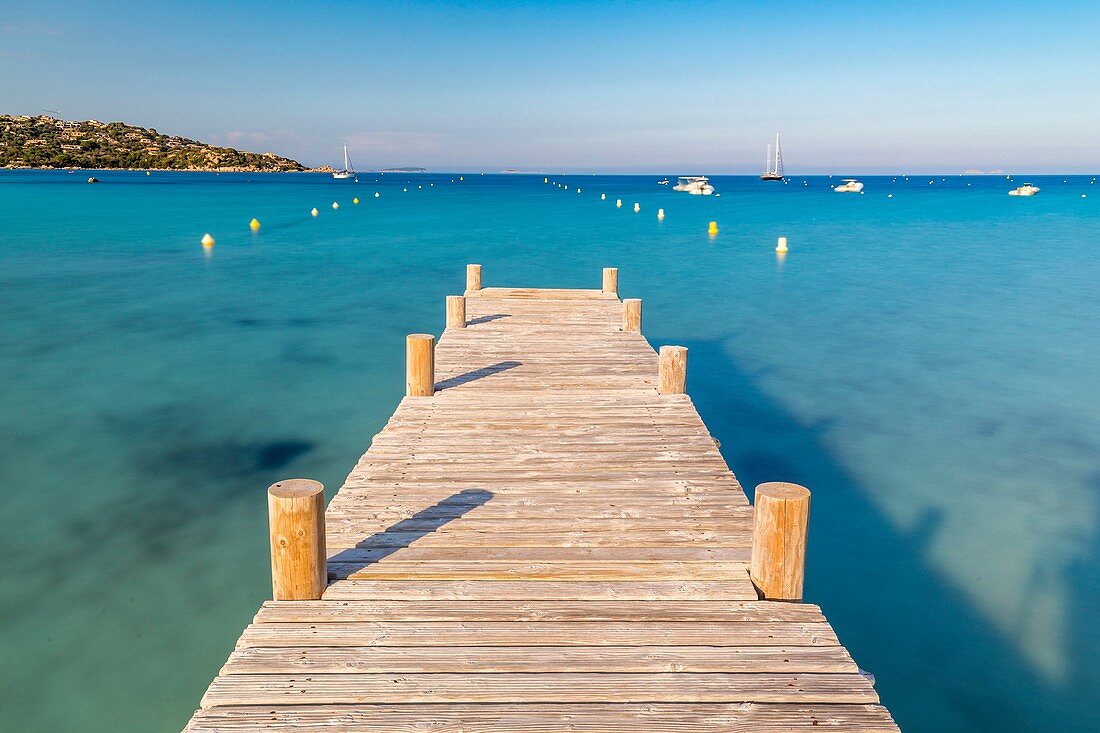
(672, 370)
(611, 280)
(420, 365)
(632, 315)
(296, 520)
(473, 277)
(456, 311)
(781, 514)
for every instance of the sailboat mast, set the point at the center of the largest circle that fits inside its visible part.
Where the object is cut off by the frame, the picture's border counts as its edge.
(778, 157)
(347, 163)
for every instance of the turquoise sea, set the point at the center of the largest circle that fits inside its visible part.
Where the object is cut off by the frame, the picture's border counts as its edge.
(928, 363)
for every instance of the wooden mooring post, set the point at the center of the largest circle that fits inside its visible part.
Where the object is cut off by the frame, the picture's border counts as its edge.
(296, 520)
(781, 516)
(420, 365)
(473, 277)
(610, 280)
(632, 315)
(672, 370)
(456, 311)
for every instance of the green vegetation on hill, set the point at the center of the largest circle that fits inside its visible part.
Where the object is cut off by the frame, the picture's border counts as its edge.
(46, 142)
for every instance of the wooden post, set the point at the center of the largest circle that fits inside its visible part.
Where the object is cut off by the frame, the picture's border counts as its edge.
(456, 311)
(611, 280)
(672, 370)
(420, 365)
(296, 519)
(781, 514)
(473, 277)
(632, 315)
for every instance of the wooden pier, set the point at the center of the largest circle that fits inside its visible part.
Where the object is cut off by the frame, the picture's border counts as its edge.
(543, 538)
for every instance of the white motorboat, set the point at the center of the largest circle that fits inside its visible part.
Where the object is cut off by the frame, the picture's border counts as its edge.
(695, 185)
(850, 185)
(662, 182)
(773, 167)
(1025, 190)
(348, 171)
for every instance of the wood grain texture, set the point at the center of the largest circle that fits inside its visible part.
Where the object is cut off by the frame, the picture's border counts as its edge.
(550, 541)
(456, 311)
(296, 523)
(782, 513)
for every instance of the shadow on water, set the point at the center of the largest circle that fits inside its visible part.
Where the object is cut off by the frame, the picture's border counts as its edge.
(941, 664)
(402, 534)
(470, 376)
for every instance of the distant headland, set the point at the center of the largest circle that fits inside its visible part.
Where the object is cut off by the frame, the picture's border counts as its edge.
(47, 142)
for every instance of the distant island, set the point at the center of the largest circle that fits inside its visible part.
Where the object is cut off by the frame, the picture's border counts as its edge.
(47, 142)
(403, 170)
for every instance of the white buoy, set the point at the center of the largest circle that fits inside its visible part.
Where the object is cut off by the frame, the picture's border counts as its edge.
(376, 194)
(405, 190)
(637, 207)
(889, 195)
(335, 205)
(619, 203)
(207, 240)
(603, 197)
(313, 211)
(578, 190)
(1084, 196)
(781, 246)
(660, 213)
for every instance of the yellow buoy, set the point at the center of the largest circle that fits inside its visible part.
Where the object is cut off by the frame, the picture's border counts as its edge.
(781, 247)
(660, 213)
(207, 240)
(546, 180)
(637, 207)
(254, 225)
(355, 200)
(313, 211)
(713, 228)
(618, 203)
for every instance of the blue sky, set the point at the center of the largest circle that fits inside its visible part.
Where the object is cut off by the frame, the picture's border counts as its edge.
(602, 86)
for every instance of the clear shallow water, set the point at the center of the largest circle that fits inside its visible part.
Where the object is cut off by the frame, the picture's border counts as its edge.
(926, 363)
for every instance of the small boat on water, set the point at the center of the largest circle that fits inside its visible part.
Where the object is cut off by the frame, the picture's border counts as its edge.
(348, 171)
(773, 167)
(850, 185)
(695, 185)
(1025, 190)
(662, 182)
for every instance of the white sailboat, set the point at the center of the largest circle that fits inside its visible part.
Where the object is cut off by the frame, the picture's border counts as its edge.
(773, 168)
(348, 171)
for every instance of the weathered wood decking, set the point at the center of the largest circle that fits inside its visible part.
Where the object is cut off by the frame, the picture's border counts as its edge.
(547, 544)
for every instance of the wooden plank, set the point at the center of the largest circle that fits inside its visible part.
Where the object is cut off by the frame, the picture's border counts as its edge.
(309, 660)
(578, 633)
(460, 609)
(525, 590)
(550, 718)
(548, 687)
